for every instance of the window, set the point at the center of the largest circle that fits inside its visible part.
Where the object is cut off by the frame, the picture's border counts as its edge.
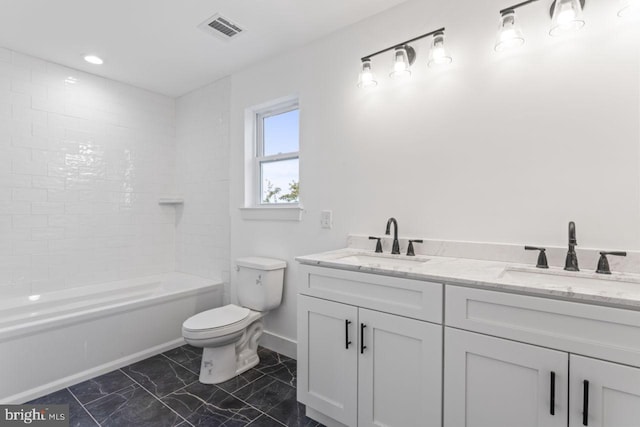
(277, 146)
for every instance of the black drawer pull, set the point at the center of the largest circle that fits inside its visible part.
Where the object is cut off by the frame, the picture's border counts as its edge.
(346, 334)
(585, 403)
(552, 394)
(362, 346)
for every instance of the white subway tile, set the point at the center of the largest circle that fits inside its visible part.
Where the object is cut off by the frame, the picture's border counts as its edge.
(48, 182)
(29, 194)
(30, 247)
(78, 191)
(29, 221)
(47, 208)
(15, 208)
(47, 233)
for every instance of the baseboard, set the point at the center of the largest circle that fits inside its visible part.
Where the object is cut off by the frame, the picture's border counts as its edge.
(70, 380)
(279, 344)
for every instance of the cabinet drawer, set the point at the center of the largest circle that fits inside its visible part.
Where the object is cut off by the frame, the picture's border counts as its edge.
(405, 297)
(603, 332)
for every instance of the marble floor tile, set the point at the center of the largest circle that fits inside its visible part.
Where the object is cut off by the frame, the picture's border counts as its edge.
(133, 406)
(287, 372)
(163, 391)
(160, 375)
(78, 416)
(240, 381)
(188, 399)
(249, 390)
(208, 405)
(265, 421)
(274, 398)
(292, 413)
(188, 356)
(270, 361)
(101, 386)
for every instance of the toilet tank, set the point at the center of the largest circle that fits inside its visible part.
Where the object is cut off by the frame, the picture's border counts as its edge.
(260, 282)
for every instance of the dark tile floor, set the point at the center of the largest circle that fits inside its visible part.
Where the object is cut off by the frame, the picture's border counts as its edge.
(164, 391)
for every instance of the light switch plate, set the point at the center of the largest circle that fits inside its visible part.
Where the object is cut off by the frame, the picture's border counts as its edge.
(326, 219)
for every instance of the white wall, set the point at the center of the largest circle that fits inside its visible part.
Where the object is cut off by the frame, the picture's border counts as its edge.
(83, 161)
(496, 148)
(202, 156)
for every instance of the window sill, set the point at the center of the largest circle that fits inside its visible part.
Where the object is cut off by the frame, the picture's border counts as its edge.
(272, 213)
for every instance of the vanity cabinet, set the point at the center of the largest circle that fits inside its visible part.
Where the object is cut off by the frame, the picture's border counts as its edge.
(498, 382)
(493, 382)
(364, 367)
(377, 350)
(613, 393)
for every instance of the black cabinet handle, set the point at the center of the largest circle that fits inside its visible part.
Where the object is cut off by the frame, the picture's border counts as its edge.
(585, 403)
(362, 346)
(346, 334)
(552, 394)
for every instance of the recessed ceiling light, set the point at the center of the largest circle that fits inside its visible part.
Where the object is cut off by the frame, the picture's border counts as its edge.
(92, 59)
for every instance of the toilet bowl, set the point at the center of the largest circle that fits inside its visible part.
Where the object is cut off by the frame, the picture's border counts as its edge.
(229, 335)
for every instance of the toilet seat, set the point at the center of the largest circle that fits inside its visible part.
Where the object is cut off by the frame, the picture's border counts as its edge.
(217, 322)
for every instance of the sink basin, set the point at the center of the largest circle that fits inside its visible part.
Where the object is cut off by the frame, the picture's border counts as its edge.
(563, 278)
(382, 261)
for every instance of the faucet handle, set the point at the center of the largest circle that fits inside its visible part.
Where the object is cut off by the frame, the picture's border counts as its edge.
(378, 244)
(603, 262)
(410, 251)
(542, 256)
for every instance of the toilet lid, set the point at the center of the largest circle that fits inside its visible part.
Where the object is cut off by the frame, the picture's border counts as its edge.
(215, 318)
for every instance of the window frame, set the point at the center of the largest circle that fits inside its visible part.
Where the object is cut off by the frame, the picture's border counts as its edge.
(259, 158)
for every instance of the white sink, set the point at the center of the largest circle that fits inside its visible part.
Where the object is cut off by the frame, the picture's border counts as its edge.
(556, 276)
(382, 261)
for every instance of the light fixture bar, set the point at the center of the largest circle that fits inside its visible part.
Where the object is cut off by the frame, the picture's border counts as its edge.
(516, 6)
(364, 58)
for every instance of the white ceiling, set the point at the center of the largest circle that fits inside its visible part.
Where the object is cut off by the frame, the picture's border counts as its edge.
(156, 45)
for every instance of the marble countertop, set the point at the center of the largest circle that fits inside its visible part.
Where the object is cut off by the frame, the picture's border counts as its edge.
(618, 289)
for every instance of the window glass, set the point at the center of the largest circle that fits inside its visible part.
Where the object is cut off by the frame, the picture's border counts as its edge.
(279, 181)
(281, 133)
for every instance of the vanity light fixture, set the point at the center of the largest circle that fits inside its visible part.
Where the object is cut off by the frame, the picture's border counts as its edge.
(566, 17)
(403, 57)
(367, 79)
(438, 55)
(509, 32)
(93, 59)
(629, 8)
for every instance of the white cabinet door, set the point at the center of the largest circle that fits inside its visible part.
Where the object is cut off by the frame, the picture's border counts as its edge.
(610, 393)
(400, 371)
(492, 382)
(328, 358)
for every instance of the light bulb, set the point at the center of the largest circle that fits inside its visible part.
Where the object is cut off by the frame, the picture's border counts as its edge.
(567, 17)
(367, 79)
(509, 32)
(438, 54)
(401, 66)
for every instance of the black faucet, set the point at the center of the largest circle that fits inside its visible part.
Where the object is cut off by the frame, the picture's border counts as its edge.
(396, 245)
(571, 263)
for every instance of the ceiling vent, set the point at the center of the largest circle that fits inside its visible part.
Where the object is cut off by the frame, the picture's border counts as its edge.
(221, 27)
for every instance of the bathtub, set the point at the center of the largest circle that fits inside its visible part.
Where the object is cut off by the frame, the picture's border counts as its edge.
(51, 341)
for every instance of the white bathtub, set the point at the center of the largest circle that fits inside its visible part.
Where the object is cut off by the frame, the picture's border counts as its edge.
(51, 341)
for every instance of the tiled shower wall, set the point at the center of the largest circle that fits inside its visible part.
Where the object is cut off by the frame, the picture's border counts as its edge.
(202, 156)
(83, 161)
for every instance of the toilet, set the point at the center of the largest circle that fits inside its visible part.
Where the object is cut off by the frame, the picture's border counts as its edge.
(229, 335)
